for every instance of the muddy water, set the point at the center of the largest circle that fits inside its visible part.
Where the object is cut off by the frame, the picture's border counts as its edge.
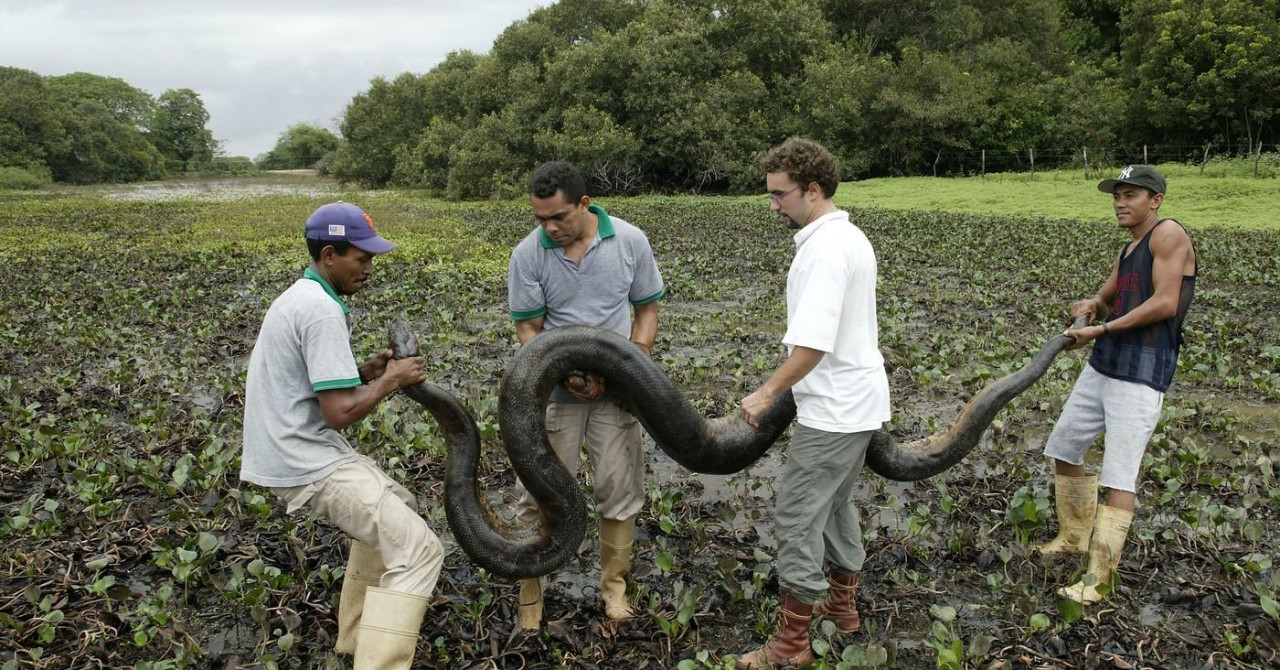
(1259, 422)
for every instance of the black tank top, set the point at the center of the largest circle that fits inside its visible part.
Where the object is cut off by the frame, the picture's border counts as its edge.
(1146, 355)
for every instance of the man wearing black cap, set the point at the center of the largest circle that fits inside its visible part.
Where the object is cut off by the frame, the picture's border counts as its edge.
(1142, 303)
(303, 388)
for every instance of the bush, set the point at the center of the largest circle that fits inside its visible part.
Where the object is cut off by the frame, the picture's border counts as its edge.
(239, 166)
(23, 179)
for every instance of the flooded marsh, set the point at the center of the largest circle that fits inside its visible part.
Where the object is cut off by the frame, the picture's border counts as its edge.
(128, 541)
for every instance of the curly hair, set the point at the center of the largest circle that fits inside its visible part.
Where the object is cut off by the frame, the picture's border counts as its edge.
(557, 176)
(804, 161)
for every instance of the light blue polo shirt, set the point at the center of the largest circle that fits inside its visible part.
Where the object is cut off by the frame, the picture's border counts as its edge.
(616, 272)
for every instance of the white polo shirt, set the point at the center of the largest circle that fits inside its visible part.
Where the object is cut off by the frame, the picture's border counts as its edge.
(831, 307)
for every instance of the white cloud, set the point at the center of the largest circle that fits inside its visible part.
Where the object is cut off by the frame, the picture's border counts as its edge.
(259, 67)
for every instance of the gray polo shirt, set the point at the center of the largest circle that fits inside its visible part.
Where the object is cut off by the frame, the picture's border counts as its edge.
(304, 346)
(617, 271)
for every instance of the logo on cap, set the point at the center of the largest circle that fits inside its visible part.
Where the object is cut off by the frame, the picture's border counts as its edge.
(340, 231)
(1124, 174)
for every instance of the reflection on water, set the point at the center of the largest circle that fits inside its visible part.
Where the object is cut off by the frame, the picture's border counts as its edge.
(219, 190)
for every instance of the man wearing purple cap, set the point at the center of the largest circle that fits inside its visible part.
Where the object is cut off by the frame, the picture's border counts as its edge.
(1142, 303)
(303, 388)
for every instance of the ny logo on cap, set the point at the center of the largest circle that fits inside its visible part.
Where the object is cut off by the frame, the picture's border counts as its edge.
(1124, 174)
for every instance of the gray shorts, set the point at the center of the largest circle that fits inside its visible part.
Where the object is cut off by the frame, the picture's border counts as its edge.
(1128, 411)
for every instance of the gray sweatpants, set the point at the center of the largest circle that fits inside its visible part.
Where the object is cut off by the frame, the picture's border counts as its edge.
(816, 521)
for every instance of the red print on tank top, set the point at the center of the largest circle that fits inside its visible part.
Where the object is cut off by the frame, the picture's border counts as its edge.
(1125, 284)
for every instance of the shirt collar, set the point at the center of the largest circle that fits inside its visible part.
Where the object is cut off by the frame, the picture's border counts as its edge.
(604, 228)
(805, 233)
(315, 277)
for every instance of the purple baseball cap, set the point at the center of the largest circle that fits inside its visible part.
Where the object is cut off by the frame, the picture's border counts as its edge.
(344, 222)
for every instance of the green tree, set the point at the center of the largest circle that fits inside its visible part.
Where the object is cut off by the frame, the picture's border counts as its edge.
(105, 149)
(427, 163)
(1203, 64)
(485, 164)
(178, 129)
(301, 146)
(376, 125)
(31, 121)
(125, 103)
(607, 154)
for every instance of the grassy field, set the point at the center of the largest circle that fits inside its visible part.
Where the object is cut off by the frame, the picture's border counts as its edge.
(126, 539)
(1220, 198)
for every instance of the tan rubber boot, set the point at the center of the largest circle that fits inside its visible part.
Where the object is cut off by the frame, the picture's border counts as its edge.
(840, 606)
(1109, 533)
(1077, 499)
(529, 612)
(389, 629)
(789, 645)
(616, 538)
(364, 569)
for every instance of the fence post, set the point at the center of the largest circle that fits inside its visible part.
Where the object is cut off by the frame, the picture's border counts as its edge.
(1257, 159)
(1144, 156)
(983, 172)
(1086, 162)
(1205, 160)
(1032, 153)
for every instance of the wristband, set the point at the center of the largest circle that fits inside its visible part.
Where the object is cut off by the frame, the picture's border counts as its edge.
(1106, 330)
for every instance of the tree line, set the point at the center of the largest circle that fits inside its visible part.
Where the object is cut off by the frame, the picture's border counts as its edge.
(85, 128)
(682, 94)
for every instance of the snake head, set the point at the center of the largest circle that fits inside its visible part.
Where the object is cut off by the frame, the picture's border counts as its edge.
(404, 344)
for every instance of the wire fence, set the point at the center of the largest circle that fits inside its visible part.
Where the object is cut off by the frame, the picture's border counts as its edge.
(1091, 161)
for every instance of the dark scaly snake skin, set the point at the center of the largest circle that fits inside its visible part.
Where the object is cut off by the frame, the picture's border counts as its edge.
(718, 446)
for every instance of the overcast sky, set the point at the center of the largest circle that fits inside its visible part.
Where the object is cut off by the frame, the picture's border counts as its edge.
(259, 65)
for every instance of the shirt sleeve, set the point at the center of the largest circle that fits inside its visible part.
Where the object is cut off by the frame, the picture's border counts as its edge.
(646, 285)
(525, 297)
(816, 319)
(326, 348)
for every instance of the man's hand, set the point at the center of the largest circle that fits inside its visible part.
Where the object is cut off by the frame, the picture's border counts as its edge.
(375, 367)
(1083, 336)
(405, 371)
(755, 405)
(587, 388)
(1087, 306)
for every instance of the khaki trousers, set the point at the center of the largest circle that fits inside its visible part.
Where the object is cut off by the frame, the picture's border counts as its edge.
(614, 448)
(366, 504)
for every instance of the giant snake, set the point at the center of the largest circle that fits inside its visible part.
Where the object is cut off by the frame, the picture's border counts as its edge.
(717, 446)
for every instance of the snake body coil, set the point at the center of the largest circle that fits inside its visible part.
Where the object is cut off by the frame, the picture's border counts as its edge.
(718, 446)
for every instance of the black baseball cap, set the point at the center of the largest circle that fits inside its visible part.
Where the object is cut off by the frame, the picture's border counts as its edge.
(1137, 175)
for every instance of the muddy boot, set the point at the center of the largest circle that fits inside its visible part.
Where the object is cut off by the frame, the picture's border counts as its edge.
(529, 612)
(788, 647)
(1109, 533)
(616, 538)
(1077, 499)
(840, 606)
(364, 569)
(389, 629)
